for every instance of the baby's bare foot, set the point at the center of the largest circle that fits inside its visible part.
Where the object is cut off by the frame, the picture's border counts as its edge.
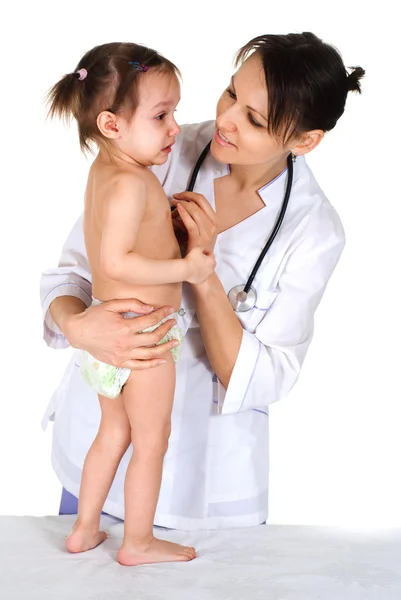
(83, 538)
(156, 551)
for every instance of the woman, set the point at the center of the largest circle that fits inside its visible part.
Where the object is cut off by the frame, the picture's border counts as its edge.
(287, 92)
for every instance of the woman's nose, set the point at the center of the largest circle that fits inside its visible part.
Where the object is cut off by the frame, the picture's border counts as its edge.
(225, 122)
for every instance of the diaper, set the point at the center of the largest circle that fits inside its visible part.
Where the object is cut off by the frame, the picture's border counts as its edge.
(108, 380)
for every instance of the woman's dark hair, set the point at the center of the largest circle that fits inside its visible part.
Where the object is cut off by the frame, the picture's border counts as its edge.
(106, 78)
(306, 80)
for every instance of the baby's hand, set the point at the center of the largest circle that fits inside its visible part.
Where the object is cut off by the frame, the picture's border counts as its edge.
(201, 264)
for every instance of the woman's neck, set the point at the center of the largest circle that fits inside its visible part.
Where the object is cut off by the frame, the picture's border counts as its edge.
(254, 177)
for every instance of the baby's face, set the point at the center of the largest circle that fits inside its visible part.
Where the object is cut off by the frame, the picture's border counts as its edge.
(148, 136)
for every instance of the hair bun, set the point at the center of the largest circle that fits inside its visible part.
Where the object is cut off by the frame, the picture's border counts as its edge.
(354, 79)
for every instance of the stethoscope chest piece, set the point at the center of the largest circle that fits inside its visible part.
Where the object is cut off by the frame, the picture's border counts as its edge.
(242, 301)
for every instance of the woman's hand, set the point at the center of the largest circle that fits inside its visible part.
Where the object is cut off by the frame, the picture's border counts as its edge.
(104, 332)
(194, 221)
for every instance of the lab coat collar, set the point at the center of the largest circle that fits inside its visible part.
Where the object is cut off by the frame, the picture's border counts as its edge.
(275, 187)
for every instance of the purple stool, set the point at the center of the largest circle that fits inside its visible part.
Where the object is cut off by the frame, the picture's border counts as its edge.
(68, 504)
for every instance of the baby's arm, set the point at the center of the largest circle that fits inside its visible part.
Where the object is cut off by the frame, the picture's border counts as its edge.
(124, 210)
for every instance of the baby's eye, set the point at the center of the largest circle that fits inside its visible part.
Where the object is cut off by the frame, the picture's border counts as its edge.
(231, 94)
(161, 116)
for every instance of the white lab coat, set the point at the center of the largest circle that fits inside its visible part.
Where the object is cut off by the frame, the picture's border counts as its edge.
(216, 467)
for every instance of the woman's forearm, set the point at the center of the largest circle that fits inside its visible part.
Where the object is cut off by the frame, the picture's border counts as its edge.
(62, 309)
(221, 330)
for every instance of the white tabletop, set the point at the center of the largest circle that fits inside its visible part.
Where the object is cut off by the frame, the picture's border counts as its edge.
(272, 562)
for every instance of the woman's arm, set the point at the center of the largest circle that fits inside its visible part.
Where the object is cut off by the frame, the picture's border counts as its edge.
(221, 329)
(270, 357)
(70, 279)
(260, 366)
(62, 309)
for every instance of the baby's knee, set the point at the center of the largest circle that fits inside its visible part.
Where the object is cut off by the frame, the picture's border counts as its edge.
(153, 443)
(116, 432)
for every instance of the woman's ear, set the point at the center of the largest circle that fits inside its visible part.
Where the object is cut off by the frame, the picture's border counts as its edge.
(307, 142)
(108, 125)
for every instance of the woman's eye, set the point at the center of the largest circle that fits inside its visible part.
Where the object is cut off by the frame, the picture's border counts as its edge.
(253, 122)
(250, 117)
(161, 117)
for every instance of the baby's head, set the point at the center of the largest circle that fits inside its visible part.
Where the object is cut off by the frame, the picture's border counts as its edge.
(123, 96)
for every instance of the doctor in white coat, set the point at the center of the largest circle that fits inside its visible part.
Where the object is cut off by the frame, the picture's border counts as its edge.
(288, 90)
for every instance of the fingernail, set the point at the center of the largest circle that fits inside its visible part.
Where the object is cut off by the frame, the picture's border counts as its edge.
(176, 343)
(170, 311)
(161, 362)
(148, 307)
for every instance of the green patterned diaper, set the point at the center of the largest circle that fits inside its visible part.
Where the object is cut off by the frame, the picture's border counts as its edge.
(108, 380)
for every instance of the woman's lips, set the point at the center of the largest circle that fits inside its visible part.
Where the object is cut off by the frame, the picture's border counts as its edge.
(221, 141)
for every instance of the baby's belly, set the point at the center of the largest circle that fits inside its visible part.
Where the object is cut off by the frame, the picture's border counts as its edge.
(155, 295)
(164, 247)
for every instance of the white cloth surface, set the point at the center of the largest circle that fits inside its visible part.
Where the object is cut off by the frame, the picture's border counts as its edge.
(272, 562)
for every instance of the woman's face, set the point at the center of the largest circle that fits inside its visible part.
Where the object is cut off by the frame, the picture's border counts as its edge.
(241, 135)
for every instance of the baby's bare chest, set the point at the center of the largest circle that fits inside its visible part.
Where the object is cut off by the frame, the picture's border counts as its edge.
(158, 213)
(156, 233)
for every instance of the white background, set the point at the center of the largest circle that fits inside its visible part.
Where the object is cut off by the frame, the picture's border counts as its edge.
(335, 441)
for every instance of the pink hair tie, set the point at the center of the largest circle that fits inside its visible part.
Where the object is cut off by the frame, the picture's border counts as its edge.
(138, 66)
(82, 73)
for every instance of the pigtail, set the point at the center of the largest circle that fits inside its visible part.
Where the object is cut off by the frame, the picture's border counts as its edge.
(64, 98)
(354, 79)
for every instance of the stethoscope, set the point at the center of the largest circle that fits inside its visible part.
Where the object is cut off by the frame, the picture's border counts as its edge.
(244, 297)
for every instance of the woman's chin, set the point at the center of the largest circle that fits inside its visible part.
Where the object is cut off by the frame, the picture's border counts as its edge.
(220, 153)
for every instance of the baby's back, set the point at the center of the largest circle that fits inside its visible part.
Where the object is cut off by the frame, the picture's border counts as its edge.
(155, 238)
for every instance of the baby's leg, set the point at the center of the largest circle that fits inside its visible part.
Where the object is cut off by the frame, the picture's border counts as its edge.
(101, 463)
(148, 399)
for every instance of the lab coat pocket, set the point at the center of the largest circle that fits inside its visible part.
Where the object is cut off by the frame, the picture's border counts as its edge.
(264, 301)
(238, 456)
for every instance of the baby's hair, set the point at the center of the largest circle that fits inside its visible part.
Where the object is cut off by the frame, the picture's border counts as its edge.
(106, 78)
(306, 79)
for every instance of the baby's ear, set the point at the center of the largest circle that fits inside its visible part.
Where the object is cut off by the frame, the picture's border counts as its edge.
(307, 142)
(108, 125)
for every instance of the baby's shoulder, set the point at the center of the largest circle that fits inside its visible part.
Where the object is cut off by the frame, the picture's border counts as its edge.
(127, 181)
